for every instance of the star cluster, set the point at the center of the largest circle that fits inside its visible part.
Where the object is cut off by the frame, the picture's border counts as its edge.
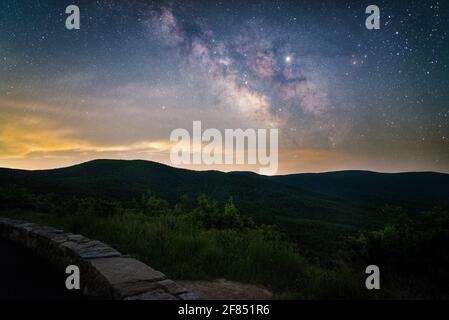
(342, 96)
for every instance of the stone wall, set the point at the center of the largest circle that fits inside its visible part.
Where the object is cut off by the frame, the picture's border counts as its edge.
(105, 272)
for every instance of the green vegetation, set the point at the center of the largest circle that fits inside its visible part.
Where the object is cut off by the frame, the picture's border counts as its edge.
(201, 239)
(313, 210)
(413, 253)
(205, 242)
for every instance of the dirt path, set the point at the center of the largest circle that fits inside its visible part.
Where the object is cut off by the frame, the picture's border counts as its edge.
(222, 289)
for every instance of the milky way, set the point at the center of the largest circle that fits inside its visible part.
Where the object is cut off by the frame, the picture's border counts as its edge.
(342, 96)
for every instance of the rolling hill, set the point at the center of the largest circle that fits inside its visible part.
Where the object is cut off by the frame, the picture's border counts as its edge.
(311, 208)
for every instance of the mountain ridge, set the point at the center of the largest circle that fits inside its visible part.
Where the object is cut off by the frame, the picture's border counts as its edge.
(249, 172)
(302, 205)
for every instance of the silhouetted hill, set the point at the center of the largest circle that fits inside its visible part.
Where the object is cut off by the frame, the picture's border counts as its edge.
(309, 207)
(411, 189)
(128, 180)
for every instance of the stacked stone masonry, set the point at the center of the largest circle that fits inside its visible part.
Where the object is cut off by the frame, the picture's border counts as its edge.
(105, 272)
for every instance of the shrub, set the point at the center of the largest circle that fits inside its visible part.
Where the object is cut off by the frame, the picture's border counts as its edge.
(152, 205)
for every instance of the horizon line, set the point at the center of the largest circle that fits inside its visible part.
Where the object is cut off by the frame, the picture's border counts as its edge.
(230, 171)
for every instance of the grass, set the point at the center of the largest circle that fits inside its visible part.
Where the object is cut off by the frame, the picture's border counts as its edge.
(186, 251)
(206, 241)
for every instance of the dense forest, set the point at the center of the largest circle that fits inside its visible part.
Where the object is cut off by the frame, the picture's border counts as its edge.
(200, 238)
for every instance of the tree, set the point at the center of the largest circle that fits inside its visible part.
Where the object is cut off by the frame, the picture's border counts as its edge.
(182, 206)
(152, 205)
(232, 218)
(207, 213)
(414, 253)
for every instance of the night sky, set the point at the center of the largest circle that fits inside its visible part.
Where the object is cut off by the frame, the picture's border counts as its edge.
(342, 96)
